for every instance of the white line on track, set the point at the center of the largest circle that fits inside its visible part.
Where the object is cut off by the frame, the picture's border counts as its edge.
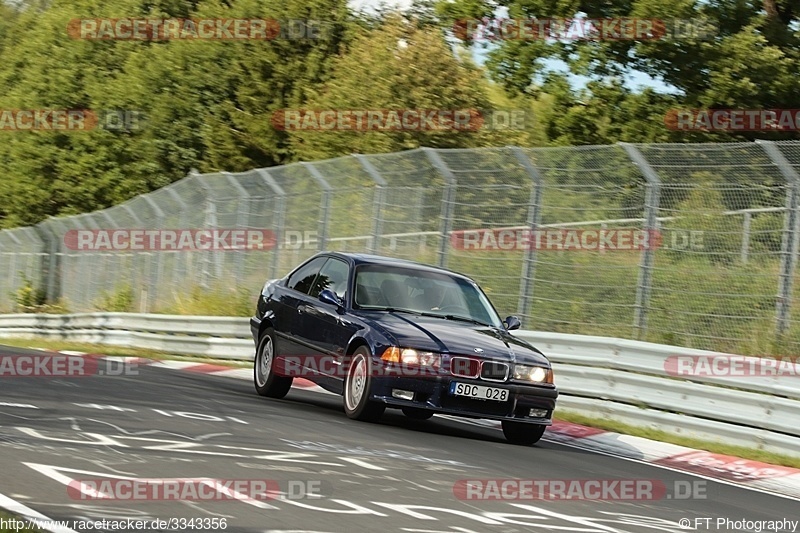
(26, 513)
(361, 463)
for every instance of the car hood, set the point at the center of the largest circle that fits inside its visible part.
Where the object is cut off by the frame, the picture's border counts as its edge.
(450, 336)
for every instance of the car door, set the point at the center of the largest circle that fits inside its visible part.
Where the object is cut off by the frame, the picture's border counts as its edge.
(289, 298)
(324, 328)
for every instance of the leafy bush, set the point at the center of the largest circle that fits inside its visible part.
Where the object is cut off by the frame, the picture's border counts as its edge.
(28, 299)
(119, 301)
(213, 301)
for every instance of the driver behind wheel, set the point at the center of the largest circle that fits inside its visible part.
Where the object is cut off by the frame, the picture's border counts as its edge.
(431, 299)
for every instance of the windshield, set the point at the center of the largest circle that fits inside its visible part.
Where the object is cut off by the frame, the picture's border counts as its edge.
(420, 291)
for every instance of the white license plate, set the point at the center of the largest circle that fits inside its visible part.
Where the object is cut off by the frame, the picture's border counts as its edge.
(478, 392)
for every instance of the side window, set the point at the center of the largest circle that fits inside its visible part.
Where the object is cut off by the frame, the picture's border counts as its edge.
(304, 277)
(333, 276)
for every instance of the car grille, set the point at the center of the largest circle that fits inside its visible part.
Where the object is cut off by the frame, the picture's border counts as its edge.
(468, 367)
(465, 367)
(493, 371)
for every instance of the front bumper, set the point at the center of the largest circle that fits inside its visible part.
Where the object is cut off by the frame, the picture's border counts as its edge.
(434, 395)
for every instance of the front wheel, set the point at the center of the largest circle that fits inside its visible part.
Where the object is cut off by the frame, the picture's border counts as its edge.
(266, 381)
(522, 434)
(358, 388)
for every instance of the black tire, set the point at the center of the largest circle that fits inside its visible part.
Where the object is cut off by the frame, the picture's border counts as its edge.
(264, 378)
(417, 413)
(358, 386)
(522, 434)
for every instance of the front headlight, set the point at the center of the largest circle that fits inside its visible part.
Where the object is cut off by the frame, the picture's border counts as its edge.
(534, 374)
(410, 356)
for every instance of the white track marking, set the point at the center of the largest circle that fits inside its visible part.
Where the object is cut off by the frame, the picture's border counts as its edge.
(26, 512)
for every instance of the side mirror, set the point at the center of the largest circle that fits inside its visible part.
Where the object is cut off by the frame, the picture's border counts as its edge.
(512, 322)
(329, 297)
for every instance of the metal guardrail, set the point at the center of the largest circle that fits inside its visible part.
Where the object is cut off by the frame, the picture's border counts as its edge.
(628, 381)
(217, 337)
(722, 276)
(604, 377)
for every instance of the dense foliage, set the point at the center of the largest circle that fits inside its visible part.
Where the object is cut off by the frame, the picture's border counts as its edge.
(210, 105)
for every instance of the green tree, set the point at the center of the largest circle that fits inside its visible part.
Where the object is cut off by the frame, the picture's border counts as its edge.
(207, 104)
(41, 67)
(752, 61)
(396, 65)
(702, 211)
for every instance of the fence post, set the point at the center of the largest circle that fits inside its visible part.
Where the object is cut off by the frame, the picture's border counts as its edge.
(95, 260)
(51, 260)
(534, 219)
(242, 221)
(651, 202)
(134, 261)
(178, 256)
(448, 203)
(153, 285)
(280, 216)
(209, 221)
(378, 201)
(790, 239)
(82, 285)
(12, 269)
(745, 237)
(325, 207)
(94, 263)
(59, 229)
(113, 262)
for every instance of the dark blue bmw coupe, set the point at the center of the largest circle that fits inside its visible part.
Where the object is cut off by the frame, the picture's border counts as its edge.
(386, 332)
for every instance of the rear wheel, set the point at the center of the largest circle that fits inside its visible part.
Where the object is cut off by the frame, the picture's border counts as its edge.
(358, 388)
(267, 383)
(417, 413)
(522, 434)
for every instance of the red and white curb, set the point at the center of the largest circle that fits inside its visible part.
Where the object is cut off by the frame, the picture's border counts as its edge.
(724, 468)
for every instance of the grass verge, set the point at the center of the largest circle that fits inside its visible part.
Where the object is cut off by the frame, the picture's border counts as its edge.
(663, 436)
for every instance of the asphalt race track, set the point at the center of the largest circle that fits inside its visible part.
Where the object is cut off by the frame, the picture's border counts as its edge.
(399, 475)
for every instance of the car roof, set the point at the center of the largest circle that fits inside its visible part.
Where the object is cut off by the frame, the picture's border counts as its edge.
(370, 259)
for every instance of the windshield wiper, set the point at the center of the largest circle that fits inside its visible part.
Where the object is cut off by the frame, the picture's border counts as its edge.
(398, 310)
(458, 318)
